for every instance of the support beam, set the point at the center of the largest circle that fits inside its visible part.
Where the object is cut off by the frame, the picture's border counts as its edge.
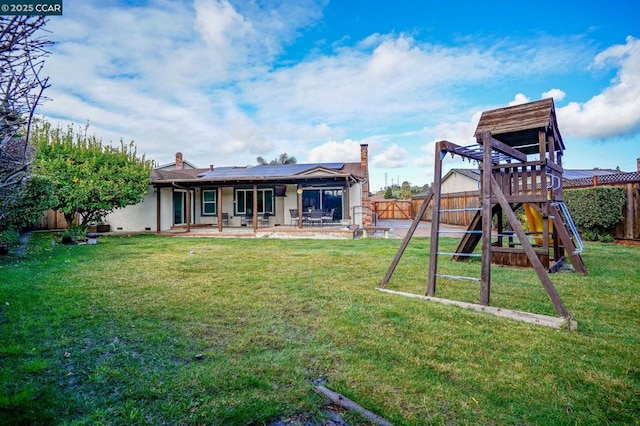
(188, 210)
(254, 218)
(219, 208)
(407, 237)
(435, 219)
(528, 317)
(531, 254)
(503, 148)
(487, 223)
(158, 204)
(299, 194)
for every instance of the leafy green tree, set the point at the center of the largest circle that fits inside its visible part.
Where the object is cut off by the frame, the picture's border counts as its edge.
(405, 191)
(388, 193)
(89, 179)
(31, 200)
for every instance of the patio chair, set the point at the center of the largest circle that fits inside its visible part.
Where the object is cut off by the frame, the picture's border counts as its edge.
(315, 217)
(264, 219)
(246, 219)
(328, 217)
(294, 216)
(225, 219)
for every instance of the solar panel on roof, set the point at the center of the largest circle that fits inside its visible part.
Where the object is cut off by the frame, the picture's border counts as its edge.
(275, 170)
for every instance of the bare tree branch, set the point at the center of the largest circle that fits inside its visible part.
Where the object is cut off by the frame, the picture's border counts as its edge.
(23, 50)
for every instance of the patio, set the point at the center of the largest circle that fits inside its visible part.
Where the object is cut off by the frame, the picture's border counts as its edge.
(327, 231)
(397, 230)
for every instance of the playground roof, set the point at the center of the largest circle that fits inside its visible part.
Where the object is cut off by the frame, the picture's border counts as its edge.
(518, 125)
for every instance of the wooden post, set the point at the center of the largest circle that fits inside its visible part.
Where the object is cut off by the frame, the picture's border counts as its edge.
(254, 219)
(299, 194)
(407, 237)
(485, 196)
(629, 219)
(158, 204)
(347, 204)
(188, 210)
(435, 220)
(219, 208)
(531, 254)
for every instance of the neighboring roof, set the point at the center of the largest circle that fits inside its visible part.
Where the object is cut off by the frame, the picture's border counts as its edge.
(266, 170)
(618, 178)
(588, 173)
(568, 174)
(283, 172)
(170, 166)
(473, 174)
(518, 125)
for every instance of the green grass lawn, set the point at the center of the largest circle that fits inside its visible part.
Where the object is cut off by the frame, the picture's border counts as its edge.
(161, 330)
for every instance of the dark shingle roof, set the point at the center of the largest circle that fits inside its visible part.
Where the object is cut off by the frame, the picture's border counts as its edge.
(260, 172)
(278, 170)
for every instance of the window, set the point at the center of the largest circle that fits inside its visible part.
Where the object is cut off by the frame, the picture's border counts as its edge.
(326, 199)
(209, 204)
(244, 201)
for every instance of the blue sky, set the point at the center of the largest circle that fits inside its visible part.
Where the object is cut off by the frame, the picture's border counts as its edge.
(226, 81)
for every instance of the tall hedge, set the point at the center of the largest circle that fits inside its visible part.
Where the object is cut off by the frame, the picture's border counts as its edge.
(596, 211)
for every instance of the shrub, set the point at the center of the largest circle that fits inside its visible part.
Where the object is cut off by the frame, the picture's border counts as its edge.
(10, 237)
(596, 211)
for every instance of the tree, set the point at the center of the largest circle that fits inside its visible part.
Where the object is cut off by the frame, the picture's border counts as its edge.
(388, 193)
(89, 179)
(405, 191)
(281, 159)
(22, 53)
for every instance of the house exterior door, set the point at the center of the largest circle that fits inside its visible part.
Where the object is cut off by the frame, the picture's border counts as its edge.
(180, 207)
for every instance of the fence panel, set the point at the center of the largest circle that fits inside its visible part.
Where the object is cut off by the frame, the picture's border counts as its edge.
(393, 209)
(457, 201)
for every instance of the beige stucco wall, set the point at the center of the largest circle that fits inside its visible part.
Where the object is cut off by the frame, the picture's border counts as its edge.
(457, 182)
(142, 217)
(137, 218)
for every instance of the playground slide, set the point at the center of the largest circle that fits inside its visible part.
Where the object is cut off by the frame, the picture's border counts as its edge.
(534, 218)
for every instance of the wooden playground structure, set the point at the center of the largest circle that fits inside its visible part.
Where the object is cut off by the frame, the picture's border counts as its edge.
(519, 154)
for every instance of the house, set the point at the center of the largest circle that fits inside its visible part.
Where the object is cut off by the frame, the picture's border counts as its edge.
(467, 180)
(184, 196)
(460, 180)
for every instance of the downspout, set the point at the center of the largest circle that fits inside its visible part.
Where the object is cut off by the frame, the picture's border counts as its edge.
(255, 208)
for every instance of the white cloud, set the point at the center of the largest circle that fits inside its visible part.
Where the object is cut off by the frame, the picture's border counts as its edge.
(210, 78)
(392, 157)
(333, 151)
(519, 99)
(556, 94)
(616, 110)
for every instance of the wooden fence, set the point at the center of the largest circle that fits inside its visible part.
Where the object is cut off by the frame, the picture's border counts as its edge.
(452, 201)
(393, 209)
(52, 219)
(406, 209)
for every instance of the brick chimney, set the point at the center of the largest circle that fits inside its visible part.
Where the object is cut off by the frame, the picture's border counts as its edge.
(367, 213)
(179, 162)
(210, 167)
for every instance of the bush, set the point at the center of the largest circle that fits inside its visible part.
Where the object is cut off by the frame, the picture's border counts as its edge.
(596, 211)
(10, 237)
